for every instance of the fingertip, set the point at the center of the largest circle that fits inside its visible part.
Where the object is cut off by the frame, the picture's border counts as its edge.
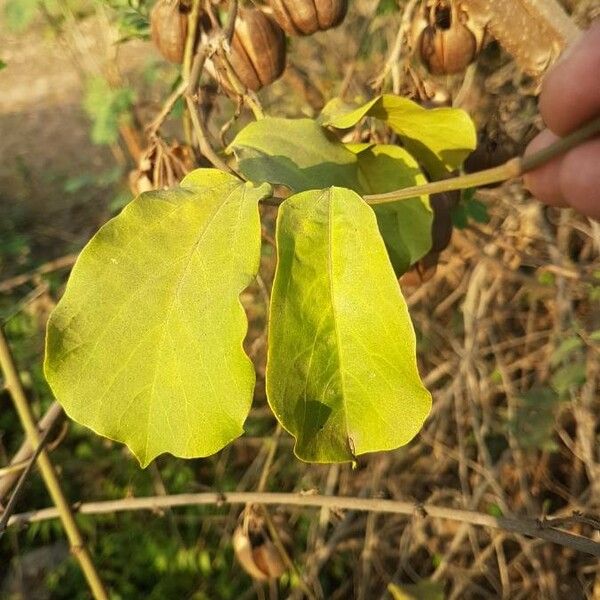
(580, 178)
(570, 93)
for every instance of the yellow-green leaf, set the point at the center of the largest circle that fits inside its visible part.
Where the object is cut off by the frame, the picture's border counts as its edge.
(341, 373)
(440, 138)
(145, 347)
(424, 590)
(297, 153)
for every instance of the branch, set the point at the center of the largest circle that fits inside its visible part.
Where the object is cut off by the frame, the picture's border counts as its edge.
(526, 526)
(10, 474)
(12, 502)
(80, 551)
(515, 167)
(64, 262)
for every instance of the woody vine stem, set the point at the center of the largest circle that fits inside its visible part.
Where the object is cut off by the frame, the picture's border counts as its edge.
(515, 167)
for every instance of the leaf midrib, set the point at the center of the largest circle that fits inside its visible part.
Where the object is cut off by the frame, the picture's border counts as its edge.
(333, 307)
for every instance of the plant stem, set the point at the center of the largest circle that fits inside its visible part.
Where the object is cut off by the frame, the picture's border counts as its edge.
(515, 167)
(523, 526)
(188, 56)
(78, 548)
(562, 145)
(508, 170)
(10, 473)
(202, 137)
(12, 501)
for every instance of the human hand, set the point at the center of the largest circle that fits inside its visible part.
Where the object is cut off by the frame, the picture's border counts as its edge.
(570, 97)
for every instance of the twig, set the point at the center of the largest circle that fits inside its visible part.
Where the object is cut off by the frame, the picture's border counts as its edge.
(272, 443)
(10, 474)
(154, 126)
(64, 262)
(515, 167)
(524, 526)
(248, 96)
(229, 28)
(394, 55)
(188, 56)
(576, 517)
(63, 509)
(12, 502)
(202, 138)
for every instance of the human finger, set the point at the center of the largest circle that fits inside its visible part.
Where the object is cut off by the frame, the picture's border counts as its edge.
(570, 93)
(580, 178)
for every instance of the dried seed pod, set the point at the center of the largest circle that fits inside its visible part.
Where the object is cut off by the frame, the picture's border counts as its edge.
(168, 24)
(257, 49)
(421, 271)
(161, 166)
(447, 45)
(256, 552)
(303, 17)
(442, 205)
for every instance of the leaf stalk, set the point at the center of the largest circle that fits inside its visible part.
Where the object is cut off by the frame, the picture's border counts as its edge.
(515, 167)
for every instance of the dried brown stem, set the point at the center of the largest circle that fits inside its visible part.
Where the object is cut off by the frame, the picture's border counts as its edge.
(64, 262)
(63, 509)
(10, 474)
(525, 526)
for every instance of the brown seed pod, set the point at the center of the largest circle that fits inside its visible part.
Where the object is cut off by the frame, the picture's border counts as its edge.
(257, 50)
(303, 17)
(446, 45)
(161, 166)
(168, 25)
(442, 205)
(255, 550)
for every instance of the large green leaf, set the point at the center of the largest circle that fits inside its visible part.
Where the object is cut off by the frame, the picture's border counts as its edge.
(297, 153)
(145, 347)
(405, 225)
(341, 373)
(440, 138)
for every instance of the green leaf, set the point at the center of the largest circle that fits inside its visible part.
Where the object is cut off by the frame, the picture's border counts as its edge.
(440, 138)
(145, 347)
(565, 349)
(405, 225)
(477, 211)
(424, 590)
(297, 153)
(108, 108)
(19, 13)
(341, 369)
(387, 7)
(568, 377)
(3, 64)
(459, 216)
(533, 421)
